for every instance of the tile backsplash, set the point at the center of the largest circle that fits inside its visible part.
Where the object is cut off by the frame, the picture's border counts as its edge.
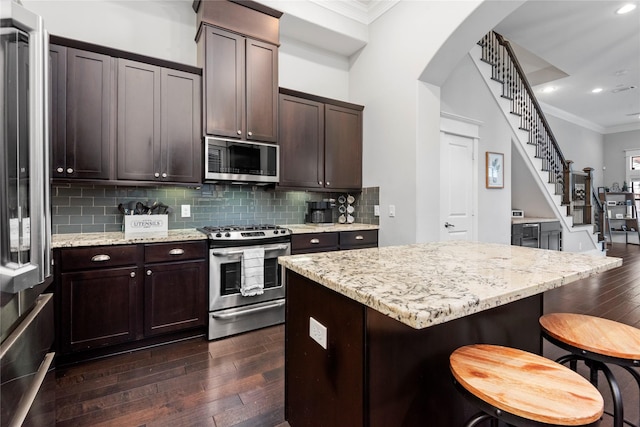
(87, 208)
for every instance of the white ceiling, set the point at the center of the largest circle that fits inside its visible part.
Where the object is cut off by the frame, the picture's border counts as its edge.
(593, 46)
(573, 45)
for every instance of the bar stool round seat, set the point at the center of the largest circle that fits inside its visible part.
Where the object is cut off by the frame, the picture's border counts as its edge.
(597, 342)
(522, 388)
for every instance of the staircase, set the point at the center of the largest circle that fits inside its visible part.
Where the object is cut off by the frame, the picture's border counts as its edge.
(505, 78)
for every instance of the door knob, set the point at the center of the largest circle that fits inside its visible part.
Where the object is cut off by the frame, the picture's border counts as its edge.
(447, 225)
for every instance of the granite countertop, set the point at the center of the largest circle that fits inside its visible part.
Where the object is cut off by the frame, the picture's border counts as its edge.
(117, 238)
(529, 220)
(314, 228)
(422, 285)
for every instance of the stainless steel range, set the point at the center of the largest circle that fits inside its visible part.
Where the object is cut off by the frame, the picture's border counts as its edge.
(246, 290)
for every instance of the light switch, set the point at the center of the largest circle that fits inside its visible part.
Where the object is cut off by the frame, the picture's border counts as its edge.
(186, 211)
(392, 210)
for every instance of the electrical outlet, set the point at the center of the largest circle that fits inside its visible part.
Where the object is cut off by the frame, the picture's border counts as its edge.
(376, 210)
(186, 211)
(392, 210)
(318, 332)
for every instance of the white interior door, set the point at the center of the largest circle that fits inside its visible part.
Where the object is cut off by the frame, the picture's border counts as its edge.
(458, 185)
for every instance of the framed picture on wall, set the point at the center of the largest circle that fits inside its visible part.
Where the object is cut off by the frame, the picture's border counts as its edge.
(495, 170)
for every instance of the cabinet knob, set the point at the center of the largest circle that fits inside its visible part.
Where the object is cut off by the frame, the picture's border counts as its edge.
(328, 183)
(249, 133)
(314, 241)
(320, 182)
(149, 273)
(239, 132)
(132, 274)
(164, 175)
(69, 170)
(157, 175)
(60, 170)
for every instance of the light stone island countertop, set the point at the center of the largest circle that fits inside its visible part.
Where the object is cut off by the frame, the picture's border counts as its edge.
(422, 285)
(117, 238)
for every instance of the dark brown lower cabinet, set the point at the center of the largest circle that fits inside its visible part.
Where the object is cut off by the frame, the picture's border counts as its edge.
(103, 301)
(175, 297)
(100, 308)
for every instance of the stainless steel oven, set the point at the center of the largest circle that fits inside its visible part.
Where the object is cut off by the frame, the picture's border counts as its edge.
(231, 309)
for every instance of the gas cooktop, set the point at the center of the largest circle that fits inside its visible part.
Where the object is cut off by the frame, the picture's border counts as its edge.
(241, 232)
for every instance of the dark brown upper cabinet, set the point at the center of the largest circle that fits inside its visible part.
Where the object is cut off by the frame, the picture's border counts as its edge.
(119, 117)
(320, 142)
(240, 85)
(158, 124)
(82, 120)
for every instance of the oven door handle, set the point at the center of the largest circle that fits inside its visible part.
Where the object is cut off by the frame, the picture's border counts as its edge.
(240, 251)
(227, 314)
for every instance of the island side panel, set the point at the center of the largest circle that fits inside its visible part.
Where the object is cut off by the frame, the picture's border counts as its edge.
(323, 387)
(408, 369)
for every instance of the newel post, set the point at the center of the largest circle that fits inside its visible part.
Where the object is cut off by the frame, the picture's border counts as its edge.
(566, 182)
(587, 217)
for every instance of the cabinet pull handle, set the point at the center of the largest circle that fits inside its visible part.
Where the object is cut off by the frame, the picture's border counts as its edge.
(100, 258)
(314, 241)
(149, 272)
(359, 237)
(176, 251)
(70, 170)
(60, 170)
(132, 274)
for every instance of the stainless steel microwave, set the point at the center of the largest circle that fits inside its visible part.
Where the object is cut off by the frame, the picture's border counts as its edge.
(240, 161)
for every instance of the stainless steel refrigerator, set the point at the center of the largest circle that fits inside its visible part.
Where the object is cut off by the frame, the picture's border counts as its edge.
(26, 311)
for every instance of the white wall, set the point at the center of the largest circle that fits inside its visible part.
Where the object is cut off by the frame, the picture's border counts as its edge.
(164, 29)
(313, 70)
(584, 146)
(614, 156)
(465, 94)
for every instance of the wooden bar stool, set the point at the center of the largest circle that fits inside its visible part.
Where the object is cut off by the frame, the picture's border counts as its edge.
(597, 342)
(523, 389)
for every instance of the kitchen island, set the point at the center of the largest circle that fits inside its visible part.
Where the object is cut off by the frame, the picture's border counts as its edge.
(394, 314)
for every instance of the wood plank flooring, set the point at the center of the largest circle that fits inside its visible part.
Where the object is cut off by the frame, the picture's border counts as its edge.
(239, 381)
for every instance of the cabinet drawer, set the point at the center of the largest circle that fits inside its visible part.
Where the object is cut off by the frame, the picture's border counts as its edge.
(98, 257)
(175, 251)
(550, 226)
(358, 239)
(314, 242)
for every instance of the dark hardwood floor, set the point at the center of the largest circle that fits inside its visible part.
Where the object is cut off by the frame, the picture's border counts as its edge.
(239, 381)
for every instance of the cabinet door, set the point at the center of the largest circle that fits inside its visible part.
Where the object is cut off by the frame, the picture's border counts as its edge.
(90, 96)
(181, 152)
(58, 110)
(98, 308)
(343, 148)
(138, 121)
(175, 296)
(301, 140)
(262, 91)
(224, 83)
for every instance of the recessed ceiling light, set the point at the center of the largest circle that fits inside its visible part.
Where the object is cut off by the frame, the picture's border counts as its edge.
(597, 90)
(548, 89)
(626, 8)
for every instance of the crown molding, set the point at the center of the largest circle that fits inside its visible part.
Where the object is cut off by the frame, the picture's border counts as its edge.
(358, 11)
